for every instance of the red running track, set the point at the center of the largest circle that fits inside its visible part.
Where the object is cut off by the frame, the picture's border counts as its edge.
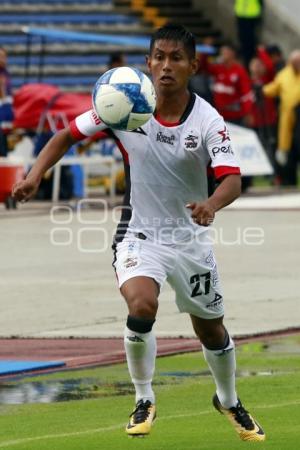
(83, 353)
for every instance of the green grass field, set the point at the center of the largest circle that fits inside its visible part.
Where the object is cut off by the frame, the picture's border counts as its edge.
(268, 384)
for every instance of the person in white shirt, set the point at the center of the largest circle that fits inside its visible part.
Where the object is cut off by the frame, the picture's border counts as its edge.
(164, 234)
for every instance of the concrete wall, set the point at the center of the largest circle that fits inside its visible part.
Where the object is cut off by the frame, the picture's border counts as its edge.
(280, 26)
(220, 12)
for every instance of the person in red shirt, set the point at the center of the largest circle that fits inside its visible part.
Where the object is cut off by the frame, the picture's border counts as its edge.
(272, 57)
(264, 111)
(231, 86)
(268, 63)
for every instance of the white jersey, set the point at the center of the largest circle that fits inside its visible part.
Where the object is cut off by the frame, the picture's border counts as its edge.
(168, 168)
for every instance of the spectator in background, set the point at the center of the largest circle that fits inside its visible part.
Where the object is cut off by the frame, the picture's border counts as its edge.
(248, 16)
(231, 86)
(6, 110)
(116, 60)
(286, 86)
(231, 90)
(267, 62)
(276, 55)
(272, 59)
(264, 111)
(20, 145)
(200, 82)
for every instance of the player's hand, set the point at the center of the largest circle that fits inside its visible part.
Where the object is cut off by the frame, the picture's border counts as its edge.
(202, 213)
(24, 190)
(281, 157)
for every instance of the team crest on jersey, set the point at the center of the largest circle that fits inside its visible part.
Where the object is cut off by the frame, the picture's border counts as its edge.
(191, 140)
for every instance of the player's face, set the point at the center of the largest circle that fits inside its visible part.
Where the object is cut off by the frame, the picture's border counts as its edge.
(170, 66)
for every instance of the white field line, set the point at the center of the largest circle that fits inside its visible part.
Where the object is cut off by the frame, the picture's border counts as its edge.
(120, 426)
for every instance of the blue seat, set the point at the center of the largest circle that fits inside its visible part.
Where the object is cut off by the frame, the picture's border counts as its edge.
(58, 80)
(67, 18)
(16, 39)
(53, 19)
(73, 59)
(102, 2)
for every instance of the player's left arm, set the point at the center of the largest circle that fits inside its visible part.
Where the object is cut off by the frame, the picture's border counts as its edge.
(227, 191)
(83, 126)
(226, 170)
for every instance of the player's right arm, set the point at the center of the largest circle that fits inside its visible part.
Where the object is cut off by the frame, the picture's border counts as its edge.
(55, 148)
(83, 126)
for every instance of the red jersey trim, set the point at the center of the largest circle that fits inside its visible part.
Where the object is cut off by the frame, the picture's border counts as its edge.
(166, 124)
(99, 135)
(221, 171)
(75, 132)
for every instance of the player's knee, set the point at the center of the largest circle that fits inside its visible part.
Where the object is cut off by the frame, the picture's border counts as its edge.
(142, 306)
(212, 337)
(212, 342)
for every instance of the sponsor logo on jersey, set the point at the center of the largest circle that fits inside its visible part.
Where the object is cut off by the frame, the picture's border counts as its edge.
(130, 262)
(224, 134)
(214, 277)
(216, 302)
(139, 130)
(132, 259)
(132, 247)
(95, 118)
(222, 149)
(210, 260)
(160, 137)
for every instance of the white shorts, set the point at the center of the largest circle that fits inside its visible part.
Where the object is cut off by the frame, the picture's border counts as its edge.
(190, 269)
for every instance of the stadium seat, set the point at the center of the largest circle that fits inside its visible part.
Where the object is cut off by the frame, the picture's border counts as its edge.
(54, 19)
(76, 65)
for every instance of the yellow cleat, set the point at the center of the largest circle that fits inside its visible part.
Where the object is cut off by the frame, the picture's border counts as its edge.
(141, 419)
(246, 427)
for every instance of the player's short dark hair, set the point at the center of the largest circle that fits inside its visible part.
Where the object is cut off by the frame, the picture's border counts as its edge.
(174, 32)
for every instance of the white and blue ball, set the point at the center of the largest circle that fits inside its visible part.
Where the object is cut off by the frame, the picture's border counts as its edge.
(124, 98)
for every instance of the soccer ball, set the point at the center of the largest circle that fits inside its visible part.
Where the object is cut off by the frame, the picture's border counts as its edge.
(124, 98)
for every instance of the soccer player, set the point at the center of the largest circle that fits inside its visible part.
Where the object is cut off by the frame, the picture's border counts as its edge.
(164, 234)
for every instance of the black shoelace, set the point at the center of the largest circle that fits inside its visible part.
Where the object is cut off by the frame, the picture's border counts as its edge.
(242, 416)
(141, 412)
